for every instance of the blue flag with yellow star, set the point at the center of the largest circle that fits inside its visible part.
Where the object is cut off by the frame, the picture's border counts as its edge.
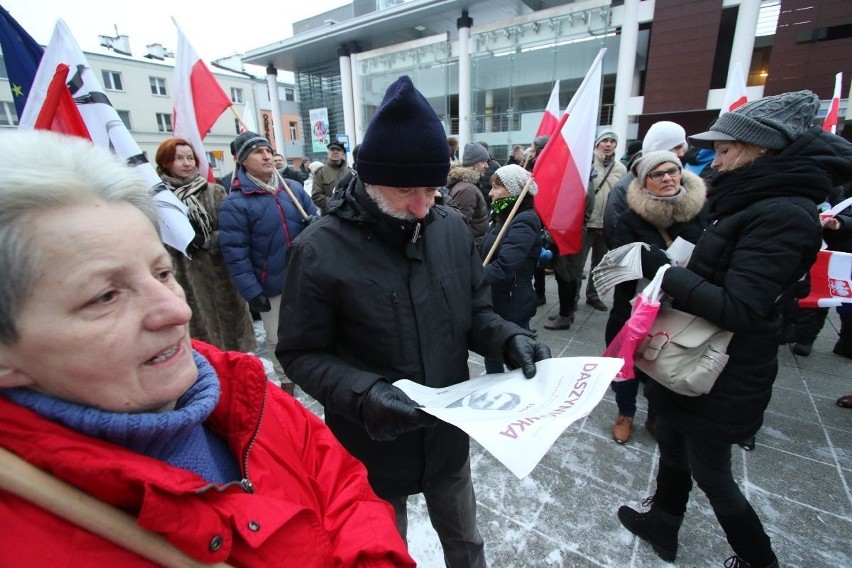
(22, 55)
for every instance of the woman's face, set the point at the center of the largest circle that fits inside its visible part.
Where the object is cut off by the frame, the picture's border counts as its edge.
(183, 165)
(732, 155)
(105, 324)
(668, 182)
(498, 190)
(259, 163)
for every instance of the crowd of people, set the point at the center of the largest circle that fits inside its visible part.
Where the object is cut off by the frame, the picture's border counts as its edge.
(395, 267)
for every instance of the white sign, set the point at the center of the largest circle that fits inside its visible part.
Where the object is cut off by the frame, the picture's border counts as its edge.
(319, 129)
(517, 419)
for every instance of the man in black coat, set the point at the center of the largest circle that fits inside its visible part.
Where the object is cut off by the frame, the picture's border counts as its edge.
(389, 286)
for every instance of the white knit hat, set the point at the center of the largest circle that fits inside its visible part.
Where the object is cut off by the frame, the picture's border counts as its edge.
(514, 177)
(643, 166)
(663, 135)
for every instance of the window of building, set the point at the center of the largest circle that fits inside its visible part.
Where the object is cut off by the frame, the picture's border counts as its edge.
(236, 95)
(211, 159)
(294, 130)
(289, 94)
(237, 126)
(112, 80)
(3, 73)
(164, 122)
(124, 115)
(8, 115)
(158, 86)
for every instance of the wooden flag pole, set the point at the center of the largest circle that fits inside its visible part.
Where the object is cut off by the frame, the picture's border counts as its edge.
(75, 506)
(508, 220)
(278, 175)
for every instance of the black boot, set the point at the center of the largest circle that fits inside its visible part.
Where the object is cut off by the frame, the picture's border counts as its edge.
(750, 542)
(843, 347)
(737, 562)
(656, 526)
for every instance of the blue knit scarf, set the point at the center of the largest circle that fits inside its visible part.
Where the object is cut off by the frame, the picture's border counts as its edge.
(178, 437)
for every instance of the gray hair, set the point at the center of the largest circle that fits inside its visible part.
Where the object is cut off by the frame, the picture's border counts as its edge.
(42, 171)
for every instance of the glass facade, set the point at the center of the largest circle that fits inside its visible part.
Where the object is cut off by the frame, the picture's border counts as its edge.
(513, 68)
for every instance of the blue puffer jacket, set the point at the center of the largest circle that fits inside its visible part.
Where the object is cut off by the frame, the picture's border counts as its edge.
(255, 232)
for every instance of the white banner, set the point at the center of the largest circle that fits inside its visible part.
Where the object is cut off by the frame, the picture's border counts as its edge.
(517, 419)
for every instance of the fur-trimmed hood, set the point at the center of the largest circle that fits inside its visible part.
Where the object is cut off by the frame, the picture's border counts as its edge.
(663, 214)
(460, 173)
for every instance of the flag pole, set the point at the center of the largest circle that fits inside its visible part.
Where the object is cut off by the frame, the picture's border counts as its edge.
(32, 484)
(508, 220)
(289, 191)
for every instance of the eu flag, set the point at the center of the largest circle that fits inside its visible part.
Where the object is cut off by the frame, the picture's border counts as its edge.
(22, 55)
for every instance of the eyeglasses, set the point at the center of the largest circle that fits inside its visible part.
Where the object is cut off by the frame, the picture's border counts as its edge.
(660, 174)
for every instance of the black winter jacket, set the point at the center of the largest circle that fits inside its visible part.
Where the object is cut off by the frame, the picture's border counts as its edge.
(369, 298)
(763, 237)
(510, 271)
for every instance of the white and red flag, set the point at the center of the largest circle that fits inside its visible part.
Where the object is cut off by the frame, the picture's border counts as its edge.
(735, 93)
(199, 100)
(49, 108)
(551, 114)
(831, 280)
(562, 169)
(249, 122)
(830, 122)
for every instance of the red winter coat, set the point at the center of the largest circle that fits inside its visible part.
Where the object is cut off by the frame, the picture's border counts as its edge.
(308, 502)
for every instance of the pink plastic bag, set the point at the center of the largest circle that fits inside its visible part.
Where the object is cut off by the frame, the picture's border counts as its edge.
(646, 305)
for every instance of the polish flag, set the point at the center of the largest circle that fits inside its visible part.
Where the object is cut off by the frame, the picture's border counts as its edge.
(103, 124)
(59, 112)
(249, 123)
(550, 120)
(198, 100)
(830, 122)
(735, 94)
(562, 169)
(831, 280)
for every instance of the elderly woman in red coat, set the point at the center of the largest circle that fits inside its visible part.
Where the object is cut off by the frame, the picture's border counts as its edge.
(101, 387)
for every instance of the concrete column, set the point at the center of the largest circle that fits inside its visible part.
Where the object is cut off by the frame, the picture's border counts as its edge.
(272, 84)
(464, 24)
(357, 101)
(489, 110)
(626, 71)
(346, 92)
(743, 45)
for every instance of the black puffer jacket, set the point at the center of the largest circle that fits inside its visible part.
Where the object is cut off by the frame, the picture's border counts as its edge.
(371, 298)
(642, 222)
(763, 237)
(510, 272)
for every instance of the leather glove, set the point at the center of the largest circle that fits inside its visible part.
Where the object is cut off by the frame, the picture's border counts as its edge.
(260, 303)
(523, 351)
(387, 412)
(652, 260)
(310, 219)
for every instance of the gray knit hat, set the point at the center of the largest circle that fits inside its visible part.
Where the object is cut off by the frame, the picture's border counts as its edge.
(771, 122)
(605, 134)
(474, 152)
(651, 160)
(246, 142)
(514, 178)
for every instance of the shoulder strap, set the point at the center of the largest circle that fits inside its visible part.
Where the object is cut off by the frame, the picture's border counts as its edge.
(666, 238)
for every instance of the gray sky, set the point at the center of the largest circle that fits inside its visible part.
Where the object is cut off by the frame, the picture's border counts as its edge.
(215, 28)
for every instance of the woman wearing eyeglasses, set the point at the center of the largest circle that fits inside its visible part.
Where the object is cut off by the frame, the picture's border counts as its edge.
(664, 202)
(774, 166)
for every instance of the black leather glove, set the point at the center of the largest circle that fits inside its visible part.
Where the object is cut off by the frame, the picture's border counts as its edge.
(310, 219)
(387, 412)
(652, 260)
(260, 303)
(523, 351)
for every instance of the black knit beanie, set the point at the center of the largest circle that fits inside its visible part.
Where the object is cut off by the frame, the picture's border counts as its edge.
(405, 144)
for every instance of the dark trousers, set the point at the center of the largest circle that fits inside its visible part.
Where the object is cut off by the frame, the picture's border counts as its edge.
(708, 461)
(567, 290)
(625, 395)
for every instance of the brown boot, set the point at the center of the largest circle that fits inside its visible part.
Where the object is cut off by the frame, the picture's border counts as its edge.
(622, 430)
(561, 322)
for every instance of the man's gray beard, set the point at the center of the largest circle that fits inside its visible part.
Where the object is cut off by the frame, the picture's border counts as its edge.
(384, 206)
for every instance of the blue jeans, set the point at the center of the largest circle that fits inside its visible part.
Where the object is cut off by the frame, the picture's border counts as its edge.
(625, 396)
(452, 510)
